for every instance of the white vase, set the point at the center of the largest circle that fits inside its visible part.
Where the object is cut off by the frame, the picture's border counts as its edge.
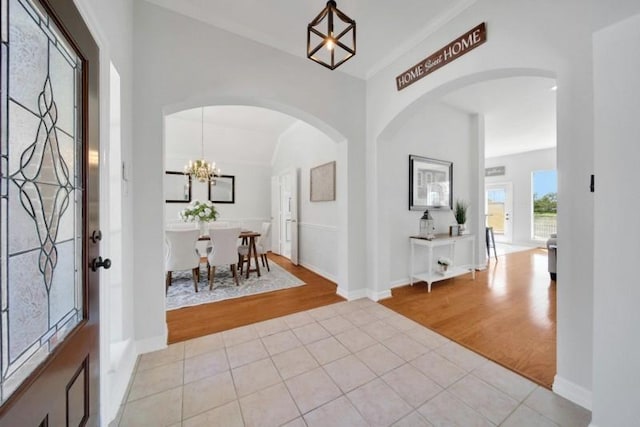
(203, 228)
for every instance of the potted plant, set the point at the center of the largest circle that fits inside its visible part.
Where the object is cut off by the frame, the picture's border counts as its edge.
(443, 264)
(200, 212)
(460, 213)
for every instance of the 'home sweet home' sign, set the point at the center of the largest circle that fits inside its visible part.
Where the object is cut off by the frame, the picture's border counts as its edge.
(463, 44)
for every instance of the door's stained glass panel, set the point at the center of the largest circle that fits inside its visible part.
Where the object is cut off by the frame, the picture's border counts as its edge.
(29, 51)
(41, 191)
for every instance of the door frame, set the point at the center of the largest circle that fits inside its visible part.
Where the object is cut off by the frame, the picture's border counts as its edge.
(294, 176)
(275, 215)
(507, 237)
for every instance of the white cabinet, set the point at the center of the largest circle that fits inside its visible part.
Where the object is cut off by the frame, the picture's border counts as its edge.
(422, 245)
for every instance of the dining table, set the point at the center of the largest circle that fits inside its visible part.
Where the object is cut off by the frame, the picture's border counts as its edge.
(248, 238)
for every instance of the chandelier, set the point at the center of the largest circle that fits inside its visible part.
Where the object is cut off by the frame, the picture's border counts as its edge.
(202, 170)
(338, 40)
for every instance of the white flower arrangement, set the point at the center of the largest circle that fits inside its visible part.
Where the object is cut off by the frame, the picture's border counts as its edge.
(444, 261)
(199, 212)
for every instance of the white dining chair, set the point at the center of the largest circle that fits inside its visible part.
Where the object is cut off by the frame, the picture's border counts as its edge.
(182, 254)
(261, 248)
(204, 248)
(224, 252)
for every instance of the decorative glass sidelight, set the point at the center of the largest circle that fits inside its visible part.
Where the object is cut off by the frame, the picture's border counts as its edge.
(41, 291)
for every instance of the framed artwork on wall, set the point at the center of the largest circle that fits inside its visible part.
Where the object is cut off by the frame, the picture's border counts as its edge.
(223, 189)
(323, 183)
(177, 187)
(430, 183)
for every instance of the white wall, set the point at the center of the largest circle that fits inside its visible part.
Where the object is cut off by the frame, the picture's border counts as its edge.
(252, 181)
(434, 131)
(515, 46)
(304, 147)
(519, 168)
(223, 143)
(252, 194)
(182, 63)
(617, 200)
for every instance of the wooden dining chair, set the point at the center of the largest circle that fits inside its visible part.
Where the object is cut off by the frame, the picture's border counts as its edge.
(225, 244)
(182, 254)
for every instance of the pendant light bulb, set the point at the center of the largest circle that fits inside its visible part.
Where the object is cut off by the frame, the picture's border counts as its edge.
(330, 44)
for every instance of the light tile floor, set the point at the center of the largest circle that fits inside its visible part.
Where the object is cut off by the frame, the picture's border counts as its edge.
(348, 364)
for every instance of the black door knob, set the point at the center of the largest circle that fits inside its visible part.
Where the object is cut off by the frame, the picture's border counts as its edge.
(96, 263)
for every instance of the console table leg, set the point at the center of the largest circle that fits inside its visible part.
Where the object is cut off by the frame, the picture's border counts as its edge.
(411, 263)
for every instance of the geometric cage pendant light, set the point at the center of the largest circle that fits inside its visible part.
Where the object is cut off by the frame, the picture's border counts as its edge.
(201, 169)
(331, 41)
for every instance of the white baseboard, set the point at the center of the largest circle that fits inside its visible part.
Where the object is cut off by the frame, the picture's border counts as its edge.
(119, 376)
(402, 282)
(377, 296)
(353, 295)
(573, 392)
(363, 293)
(121, 372)
(319, 271)
(148, 345)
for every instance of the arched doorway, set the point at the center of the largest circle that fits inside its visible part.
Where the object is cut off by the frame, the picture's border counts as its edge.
(381, 221)
(442, 131)
(291, 126)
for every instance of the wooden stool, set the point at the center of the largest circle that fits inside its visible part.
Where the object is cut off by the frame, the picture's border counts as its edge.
(491, 243)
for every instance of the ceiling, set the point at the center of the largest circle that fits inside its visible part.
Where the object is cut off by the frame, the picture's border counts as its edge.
(232, 134)
(240, 117)
(385, 29)
(519, 112)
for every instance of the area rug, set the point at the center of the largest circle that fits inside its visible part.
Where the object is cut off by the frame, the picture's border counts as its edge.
(181, 292)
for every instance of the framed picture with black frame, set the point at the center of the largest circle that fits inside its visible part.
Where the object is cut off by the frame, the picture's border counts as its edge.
(177, 187)
(430, 183)
(223, 189)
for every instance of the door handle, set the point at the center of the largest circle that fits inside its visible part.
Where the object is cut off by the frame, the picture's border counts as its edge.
(96, 263)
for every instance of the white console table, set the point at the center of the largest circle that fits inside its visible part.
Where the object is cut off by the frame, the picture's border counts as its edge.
(454, 270)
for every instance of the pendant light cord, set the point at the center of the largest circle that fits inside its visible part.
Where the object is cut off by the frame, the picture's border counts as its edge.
(202, 133)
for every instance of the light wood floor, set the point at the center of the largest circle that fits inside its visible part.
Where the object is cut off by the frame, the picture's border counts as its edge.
(192, 322)
(508, 314)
